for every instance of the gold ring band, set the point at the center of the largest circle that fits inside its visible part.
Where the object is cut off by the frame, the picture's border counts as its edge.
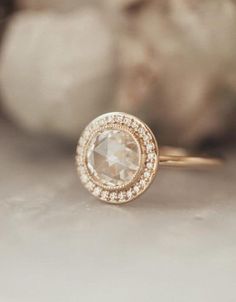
(118, 157)
(178, 157)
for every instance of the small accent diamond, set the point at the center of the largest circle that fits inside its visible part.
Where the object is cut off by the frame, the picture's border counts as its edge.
(101, 122)
(86, 134)
(127, 121)
(122, 196)
(90, 186)
(79, 151)
(136, 189)
(105, 195)
(146, 174)
(118, 119)
(135, 126)
(113, 196)
(141, 131)
(151, 156)
(84, 178)
(150, 147)
(97, 191)
(149, 165)
(142, 183)
(81, 141)
(129, 193)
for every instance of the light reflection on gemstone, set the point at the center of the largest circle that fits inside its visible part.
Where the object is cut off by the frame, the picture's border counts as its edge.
(113, 157)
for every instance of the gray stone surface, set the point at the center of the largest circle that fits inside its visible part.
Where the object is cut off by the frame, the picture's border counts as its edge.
(57, 243)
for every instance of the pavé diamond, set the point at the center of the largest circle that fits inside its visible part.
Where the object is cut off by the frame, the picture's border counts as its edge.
(113, 157)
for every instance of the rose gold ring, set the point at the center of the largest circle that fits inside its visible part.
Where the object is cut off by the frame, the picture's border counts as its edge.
(118, 157)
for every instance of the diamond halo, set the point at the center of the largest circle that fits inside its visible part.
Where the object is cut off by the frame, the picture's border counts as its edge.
(117, 157)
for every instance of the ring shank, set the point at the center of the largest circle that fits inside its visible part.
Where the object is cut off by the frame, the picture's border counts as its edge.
(177, 157)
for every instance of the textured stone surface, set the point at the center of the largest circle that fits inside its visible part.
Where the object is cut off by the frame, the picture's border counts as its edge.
(113, 157)
(59, 244)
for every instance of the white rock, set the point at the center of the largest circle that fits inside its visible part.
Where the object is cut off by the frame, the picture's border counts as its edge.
(57, 71)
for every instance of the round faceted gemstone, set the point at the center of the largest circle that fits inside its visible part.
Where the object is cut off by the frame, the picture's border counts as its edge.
(113, 157)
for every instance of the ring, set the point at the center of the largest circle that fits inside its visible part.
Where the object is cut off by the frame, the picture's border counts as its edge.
(118, 157)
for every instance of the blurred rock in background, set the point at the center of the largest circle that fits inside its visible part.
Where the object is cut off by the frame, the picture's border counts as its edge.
(55, 5)
(57, 71)
(179, 67)
(6, 8)
(171, 62)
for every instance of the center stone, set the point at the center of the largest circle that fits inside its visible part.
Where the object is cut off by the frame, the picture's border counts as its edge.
(113, 157)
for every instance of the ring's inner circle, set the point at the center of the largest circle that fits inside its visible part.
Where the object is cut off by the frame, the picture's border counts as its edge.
(113, 157)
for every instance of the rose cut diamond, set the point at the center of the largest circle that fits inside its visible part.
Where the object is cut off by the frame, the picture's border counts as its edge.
(113, 157)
